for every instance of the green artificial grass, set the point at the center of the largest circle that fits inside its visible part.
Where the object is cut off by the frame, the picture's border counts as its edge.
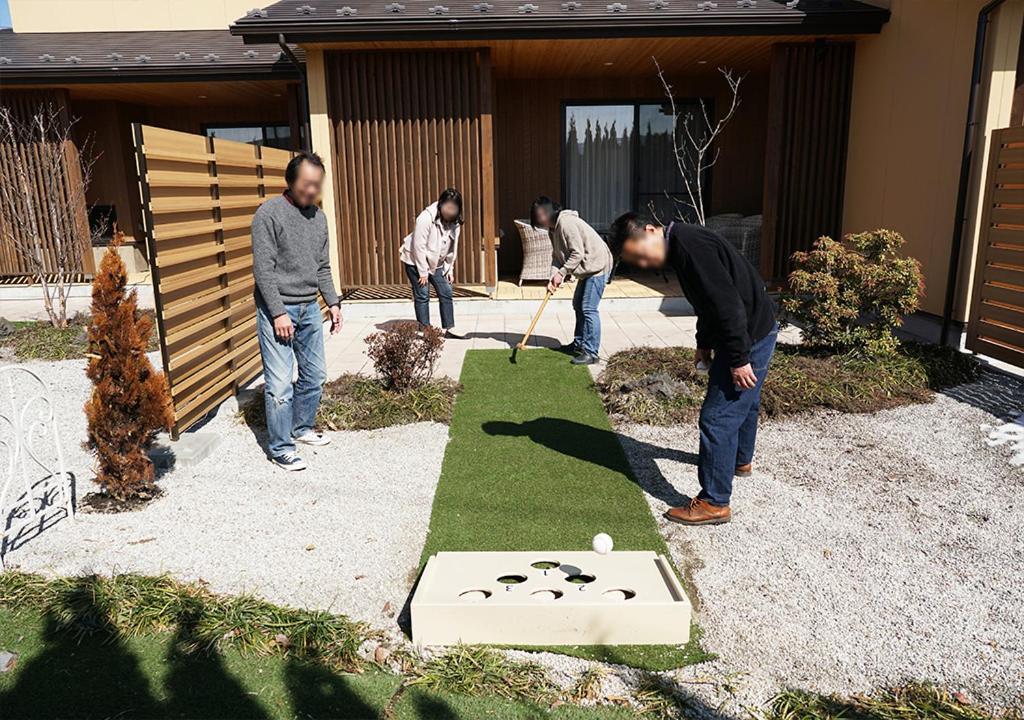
(533, 464)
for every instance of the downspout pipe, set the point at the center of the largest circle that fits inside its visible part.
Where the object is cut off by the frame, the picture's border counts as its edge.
(970, 143)
(303, 96)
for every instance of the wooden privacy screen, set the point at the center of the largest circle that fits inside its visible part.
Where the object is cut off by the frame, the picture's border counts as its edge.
(23, 106)
(805, 162)
(406, 126)
(198, 197)
(995, 325)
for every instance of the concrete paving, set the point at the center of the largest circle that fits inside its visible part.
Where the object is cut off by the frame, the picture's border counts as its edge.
(621, 329)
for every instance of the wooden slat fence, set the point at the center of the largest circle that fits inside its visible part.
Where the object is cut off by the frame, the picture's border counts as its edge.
(198, 198)
(995, 324)
(406, 126)
(75, 224)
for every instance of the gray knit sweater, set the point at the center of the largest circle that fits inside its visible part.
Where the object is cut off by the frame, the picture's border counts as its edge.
(291, 260)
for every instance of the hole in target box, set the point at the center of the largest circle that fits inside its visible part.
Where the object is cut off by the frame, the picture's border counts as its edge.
(549, 598)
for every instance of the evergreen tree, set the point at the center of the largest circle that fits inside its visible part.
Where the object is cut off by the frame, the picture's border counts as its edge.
(130, 401)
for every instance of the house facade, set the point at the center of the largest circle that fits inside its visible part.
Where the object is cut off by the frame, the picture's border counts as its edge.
(853, 114)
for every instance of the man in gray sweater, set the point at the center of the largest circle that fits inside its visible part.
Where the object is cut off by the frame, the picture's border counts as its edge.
(579, 252)
(291, 263)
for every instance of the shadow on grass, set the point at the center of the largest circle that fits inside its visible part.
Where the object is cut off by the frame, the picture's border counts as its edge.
(85, 669)
(597, 446)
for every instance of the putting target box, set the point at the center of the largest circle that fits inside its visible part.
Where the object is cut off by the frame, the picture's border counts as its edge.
(549, 598)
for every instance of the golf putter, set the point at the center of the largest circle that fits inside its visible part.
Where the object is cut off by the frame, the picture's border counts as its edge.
(529, 331)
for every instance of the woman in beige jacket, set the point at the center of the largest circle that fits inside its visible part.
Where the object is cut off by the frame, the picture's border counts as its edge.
(429, 252)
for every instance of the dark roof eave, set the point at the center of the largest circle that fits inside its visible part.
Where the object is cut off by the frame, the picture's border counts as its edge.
(65, 76)
(549, 28)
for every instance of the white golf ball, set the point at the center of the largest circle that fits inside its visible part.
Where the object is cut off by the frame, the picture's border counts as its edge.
(602, 543)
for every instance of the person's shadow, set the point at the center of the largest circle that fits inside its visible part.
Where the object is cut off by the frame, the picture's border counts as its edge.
(602, 447)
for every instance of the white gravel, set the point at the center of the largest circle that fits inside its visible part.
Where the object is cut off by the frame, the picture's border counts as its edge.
(344, 535)
(866, 550)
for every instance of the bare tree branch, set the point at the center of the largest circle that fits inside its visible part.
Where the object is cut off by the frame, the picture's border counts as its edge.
(43, 211)
(695, 148)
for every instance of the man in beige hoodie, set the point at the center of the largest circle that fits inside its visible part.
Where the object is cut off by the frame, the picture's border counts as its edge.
(578, 251)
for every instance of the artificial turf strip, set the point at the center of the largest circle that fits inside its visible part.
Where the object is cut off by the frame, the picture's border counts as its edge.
(533, 464)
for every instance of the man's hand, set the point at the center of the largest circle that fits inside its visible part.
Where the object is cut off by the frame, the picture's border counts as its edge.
(450, 276)
(336, 320)
(555, 282)
(702, 358)
(424, 279)
(283, 328)
(744, 377)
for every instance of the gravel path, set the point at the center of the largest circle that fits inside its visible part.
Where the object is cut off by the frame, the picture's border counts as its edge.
(866, 550)
(344, 535)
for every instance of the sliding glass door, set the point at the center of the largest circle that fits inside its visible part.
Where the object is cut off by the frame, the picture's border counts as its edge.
(620, 157)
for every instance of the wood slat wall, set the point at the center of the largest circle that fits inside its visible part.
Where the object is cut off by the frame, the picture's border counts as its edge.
(995, 325)
(805, 162)
(23, 105)
(198, 197)
(406, 126)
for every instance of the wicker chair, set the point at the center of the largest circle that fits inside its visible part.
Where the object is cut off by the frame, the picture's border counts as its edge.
(536, 252)
(743, 232)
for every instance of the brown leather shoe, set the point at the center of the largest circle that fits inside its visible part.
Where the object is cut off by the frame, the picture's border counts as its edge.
(744, 470)
(699, 512)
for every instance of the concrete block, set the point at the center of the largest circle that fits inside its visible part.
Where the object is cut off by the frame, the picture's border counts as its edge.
(187, 451)
(549, 598)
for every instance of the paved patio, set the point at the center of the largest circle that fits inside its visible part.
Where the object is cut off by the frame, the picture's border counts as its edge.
(621, 329)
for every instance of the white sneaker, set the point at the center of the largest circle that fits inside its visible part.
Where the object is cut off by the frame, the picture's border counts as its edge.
(290, 461)
(313, 437)
(454, 334)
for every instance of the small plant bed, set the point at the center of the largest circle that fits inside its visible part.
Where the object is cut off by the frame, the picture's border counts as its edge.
(40, 340)
(357, 402)
(660, 386)
(916, 701)
(533, 464)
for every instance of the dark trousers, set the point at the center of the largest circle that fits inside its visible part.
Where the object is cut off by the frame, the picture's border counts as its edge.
(421, 296)
(728, 422)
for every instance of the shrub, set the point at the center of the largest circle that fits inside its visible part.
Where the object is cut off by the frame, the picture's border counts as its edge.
(851, 297)
(404, 354)
(129, 401)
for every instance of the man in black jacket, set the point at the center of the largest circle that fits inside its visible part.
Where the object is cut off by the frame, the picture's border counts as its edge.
(736, 333)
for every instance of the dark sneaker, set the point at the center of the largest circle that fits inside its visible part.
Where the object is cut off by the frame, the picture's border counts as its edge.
(313, 437)
(584, 359)
(290, 461)
(569, 349)
(744, 470)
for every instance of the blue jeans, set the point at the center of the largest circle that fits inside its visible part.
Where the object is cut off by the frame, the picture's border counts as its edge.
(728, 422)
(421, 296)
(587, 336)
(291, 408)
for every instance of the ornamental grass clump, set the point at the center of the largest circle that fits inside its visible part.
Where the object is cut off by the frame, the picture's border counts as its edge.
(851, 296)
(404, 354)
(130, 401)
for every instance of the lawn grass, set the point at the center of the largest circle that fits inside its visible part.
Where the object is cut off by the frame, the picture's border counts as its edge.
(59, 674)
(39, 340)
(533, 464)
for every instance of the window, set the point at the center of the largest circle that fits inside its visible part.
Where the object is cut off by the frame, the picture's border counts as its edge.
(619, 157)
(275, 136)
